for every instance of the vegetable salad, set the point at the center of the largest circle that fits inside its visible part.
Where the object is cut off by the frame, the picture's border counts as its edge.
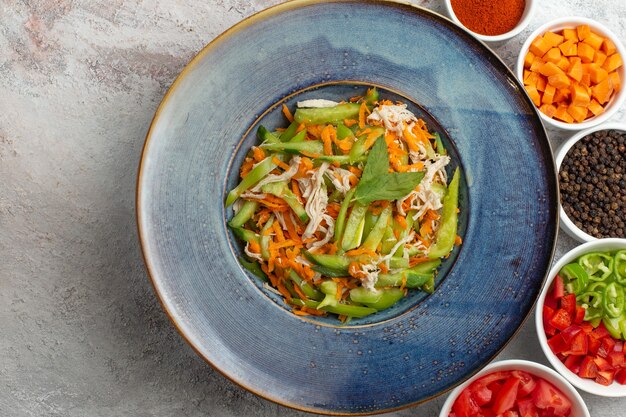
(347, 208)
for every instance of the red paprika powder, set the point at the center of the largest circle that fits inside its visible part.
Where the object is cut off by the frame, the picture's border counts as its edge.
(489, 17)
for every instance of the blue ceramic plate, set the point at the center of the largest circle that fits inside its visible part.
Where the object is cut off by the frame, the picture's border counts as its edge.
(427, 344)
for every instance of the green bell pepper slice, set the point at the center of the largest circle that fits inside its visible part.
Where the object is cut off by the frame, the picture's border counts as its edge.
(597, 265)
(613, 300)
(612, 324)
(619, 267)
(574, 277)
(590, 300)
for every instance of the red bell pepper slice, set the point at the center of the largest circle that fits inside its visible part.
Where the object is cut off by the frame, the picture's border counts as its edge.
(505, 398)
(572, 362)
(600, 332)
(569, 333)
(620, 376)
(579, 345)
(594, 345)
(568, 303)
(602, 364)
(559, 287)
(558, 344)
(561, 319)
(616, 359)
(606, 346)
(588, 368)
(605, 377)
(579, 316)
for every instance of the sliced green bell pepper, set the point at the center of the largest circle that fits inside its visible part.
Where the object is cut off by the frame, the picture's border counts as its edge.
(597, 265)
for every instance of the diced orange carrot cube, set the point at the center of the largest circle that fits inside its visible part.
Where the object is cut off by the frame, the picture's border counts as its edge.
(599, 58)
(575, 69)
(532, 79)
(536, 64)
(526, 74)
(583, 31)
(541, 83)
(548, 109)
(561, 95)
(585, 80)
(528, 59)
(548, 94)
(585, 52)
(539, 46)
(549, 68)
(553, 55)
(570, 34)
(553, 39)
(533, 94)
(595, 108)
(580, 96)
(596, 73)
(562, 114)
(578, 113)
(602, 91)
(563, 63)
(613, 62)
(559, 80)
(569, 48)
(594, 40)
(608, 47)
(615, 81)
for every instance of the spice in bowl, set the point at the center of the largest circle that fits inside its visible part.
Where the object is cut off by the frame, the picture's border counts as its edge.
(592, 182)
(489, 17)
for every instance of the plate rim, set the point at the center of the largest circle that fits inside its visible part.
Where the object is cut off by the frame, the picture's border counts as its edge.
(243, 24)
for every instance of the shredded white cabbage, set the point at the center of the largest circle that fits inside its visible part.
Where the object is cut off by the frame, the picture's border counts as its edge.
(316, 103)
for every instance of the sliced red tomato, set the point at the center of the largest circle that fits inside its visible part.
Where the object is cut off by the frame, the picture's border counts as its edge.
(464, 406)
(588, 368)
(526, 383)
(481, 394)
(511, 413)
(547, 396)
(505, 398)
(620, 376)
(527, 408)
(561, 319)
(605, 377)
(568, 303)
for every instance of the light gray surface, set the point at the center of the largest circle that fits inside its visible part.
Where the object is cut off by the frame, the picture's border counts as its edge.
(81, 331)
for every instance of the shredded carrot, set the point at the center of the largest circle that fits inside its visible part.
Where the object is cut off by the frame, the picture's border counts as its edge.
(283, 290)
(313, 312)
(360, 251)
(332, 209)
(339, 291)
(457, 240)
(300, 128)
(349, 122)
(280, 237)
(362, 111)
(254, 247)
(280, 163)
(291, 229)
(403, 286)
(310, 154)
(355, 99)
(371, 138)
(418, 260)
(401, 221)
(287, 113)
(383, 267)
(246, 167)
(426, 228)
(328, 134)
(298, 291)
(258, 154)
(296, 190)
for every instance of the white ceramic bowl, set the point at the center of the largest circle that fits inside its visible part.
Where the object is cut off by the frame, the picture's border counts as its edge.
(566, 223)
(571, 22)
(579, 409)
(613, 390)
(529, 10)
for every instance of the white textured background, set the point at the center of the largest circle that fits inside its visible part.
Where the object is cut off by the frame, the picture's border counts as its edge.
(81, 332)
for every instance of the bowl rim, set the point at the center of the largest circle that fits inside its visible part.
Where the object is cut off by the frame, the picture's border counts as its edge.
(615, 390)
(529, 11)
(519, 364)
(566, 223)
(560, 23)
